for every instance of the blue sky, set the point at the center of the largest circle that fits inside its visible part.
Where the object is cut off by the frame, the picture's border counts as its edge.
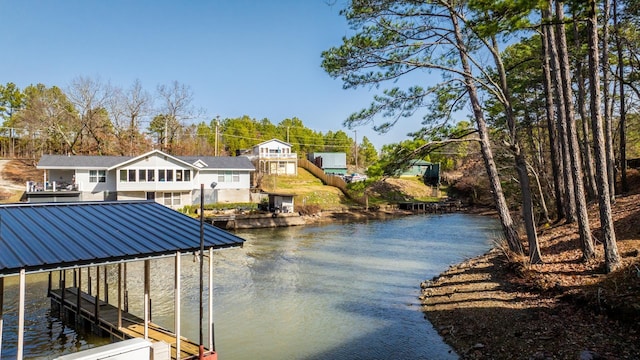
(239, 57)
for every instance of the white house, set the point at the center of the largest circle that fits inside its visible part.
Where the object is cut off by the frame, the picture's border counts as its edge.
(171, 180)
(275, 157)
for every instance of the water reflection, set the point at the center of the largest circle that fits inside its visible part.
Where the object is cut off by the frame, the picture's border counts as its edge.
(345, 291)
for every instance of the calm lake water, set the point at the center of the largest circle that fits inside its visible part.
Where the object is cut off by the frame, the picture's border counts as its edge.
(340, 291)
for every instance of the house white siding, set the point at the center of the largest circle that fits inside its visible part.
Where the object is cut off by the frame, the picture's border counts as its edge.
(275, 157)
(92, 183)
(172, 181)
(167, 175)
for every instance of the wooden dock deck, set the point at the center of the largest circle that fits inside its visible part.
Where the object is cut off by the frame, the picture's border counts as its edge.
(107, 322)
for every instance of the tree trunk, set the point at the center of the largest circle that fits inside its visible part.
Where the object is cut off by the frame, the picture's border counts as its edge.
(612, 258)
(623, 111)
(527, 209)
(543, 203)
(560, 88)
(582, 110)
(608, 118)
(550, 115)
(575, 169)
(521, 162)
(510, 233)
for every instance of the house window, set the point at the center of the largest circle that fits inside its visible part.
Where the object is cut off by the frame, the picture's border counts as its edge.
(151, 175)
(123, 175)
(228, 176)
(162, 175)
(172, 199)
(142, 175)
(96, 176)
(132, 175)
(183, 175)
(170, 175)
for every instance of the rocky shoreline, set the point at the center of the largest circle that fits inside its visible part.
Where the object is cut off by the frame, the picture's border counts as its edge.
(234, 221)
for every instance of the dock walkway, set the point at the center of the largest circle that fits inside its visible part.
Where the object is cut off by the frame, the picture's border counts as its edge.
(107, 321)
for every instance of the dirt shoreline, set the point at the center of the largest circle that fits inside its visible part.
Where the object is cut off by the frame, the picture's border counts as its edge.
(487, 308)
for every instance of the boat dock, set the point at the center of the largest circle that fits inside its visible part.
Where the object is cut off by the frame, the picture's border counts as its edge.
(431, 207)
(83, 242)
(103, 319)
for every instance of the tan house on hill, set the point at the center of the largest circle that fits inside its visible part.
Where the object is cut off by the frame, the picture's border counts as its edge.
(275, 157)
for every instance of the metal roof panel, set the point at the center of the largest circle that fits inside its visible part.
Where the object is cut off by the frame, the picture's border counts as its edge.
(46, 236)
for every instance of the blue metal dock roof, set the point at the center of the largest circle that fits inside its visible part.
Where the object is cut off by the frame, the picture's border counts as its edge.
(48, 236)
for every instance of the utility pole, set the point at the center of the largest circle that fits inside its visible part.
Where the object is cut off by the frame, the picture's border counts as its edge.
(356, 146)
(216, 142)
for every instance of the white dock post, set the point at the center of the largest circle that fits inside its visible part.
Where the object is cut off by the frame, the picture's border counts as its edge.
(119, 296)
(177, 303)
(146, 299)
(1, 311)
(211, 345)
(21, 315)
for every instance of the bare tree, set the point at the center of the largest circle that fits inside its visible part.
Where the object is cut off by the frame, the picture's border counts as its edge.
(176, 108)
(89, 96)
(127, 109)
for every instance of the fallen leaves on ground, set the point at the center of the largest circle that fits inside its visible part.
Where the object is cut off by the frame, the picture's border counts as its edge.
(489, 308)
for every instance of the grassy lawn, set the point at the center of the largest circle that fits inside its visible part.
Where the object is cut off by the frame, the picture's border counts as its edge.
(308, 190)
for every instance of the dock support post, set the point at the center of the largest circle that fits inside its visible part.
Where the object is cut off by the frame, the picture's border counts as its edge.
(96, 308)
(63, 287)
(106, 285)
(146, 299)
(119, 296)
(1, 311)
(211, 339)
(126, 292)
(21, 315)
(177, 303)
(79, 297)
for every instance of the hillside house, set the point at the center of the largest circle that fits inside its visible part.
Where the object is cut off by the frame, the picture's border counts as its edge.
(170, 180)
(275, 157)
(332, 163)
(416, 168)
(429, 172)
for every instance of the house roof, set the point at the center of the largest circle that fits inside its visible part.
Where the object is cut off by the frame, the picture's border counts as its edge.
(109, 162)
(48, 236)
(80, 161)
(272, 140)
(222, 162)
(150, 153)
(417, 162)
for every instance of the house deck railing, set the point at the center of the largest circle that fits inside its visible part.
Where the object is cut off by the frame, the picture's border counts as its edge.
(278, 156)
(32, 186)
